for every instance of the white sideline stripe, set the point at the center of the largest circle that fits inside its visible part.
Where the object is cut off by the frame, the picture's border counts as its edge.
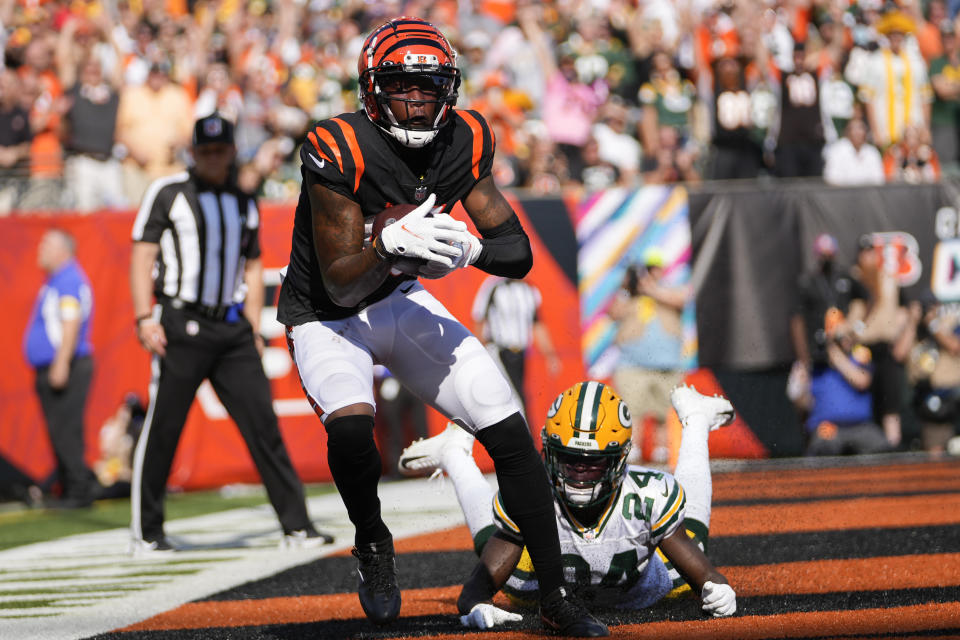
(231, 547)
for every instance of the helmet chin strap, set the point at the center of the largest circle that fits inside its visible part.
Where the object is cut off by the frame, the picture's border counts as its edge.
(580, 497)
(412, 139)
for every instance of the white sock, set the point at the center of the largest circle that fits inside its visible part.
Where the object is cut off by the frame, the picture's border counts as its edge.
(693, 467)
(474, 493)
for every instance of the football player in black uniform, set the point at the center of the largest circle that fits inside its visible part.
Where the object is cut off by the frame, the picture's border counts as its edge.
(350, 301)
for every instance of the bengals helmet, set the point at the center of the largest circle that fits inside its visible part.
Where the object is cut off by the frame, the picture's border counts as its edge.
(586, 440)
(403, 56)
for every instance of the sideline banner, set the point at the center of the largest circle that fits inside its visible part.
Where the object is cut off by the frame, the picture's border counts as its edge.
(615, 228)
(211, 452)
(752, 243)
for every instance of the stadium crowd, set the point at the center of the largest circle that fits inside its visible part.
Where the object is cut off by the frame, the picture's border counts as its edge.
(96, 97)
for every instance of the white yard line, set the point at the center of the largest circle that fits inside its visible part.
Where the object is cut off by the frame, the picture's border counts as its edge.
(222, 550)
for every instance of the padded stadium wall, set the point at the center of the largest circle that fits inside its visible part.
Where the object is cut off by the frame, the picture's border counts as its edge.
(740, 247)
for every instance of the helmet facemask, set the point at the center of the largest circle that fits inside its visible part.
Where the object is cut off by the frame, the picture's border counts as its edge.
(586, 439)
(410, 98)
(581, 479)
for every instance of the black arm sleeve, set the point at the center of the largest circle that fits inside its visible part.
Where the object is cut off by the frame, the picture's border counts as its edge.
(506, 250)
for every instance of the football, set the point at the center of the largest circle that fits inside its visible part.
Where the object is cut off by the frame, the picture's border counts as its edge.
(408, 266)
(390, 215)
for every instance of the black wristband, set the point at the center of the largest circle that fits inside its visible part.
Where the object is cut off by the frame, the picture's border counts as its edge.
(382, 255)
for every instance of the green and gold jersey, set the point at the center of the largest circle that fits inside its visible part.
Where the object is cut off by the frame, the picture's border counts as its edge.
(615, 552)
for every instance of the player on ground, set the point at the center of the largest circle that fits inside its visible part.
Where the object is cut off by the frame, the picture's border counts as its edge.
(347, 304)
(618, 524)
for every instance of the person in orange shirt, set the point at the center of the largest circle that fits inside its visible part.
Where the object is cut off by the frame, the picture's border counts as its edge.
(911, 160)
(46, 152)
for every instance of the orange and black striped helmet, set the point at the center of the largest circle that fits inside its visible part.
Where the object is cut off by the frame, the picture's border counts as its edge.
(409, 64)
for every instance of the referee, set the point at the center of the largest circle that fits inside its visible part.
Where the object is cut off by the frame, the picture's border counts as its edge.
(506, 318)
(200, 232)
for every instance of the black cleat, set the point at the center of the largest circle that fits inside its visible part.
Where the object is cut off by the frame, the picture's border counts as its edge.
(564, 614)
(379, 592)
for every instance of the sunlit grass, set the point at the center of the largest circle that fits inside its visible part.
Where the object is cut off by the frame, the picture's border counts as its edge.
(25, 526)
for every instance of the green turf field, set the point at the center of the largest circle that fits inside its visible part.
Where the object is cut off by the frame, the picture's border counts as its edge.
(20, 525)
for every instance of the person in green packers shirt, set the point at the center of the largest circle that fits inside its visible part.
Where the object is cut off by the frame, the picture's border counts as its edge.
(668, 100)
(945, 78)
(630, 535)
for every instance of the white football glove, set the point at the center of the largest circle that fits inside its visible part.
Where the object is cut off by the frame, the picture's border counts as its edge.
(428, 238)
(471, 249)
(434, 269)
(487, 616)
(719, 600)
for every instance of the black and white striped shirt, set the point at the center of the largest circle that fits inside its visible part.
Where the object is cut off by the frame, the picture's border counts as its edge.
(509, 310)
(205, 235)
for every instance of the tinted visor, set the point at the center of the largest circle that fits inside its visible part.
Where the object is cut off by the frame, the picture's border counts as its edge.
(434, 84)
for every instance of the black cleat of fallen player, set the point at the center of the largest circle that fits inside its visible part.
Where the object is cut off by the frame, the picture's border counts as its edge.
(565, 615)
(379, 591)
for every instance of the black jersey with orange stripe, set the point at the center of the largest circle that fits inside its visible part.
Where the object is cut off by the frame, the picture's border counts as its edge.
(351, 156)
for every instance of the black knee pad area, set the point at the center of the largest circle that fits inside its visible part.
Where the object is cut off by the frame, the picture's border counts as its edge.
(509, 444)
(350, 433)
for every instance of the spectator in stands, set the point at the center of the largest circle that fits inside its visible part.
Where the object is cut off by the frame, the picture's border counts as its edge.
(504, 107)
(881, 323)
(153, 129)
(895, 86)
(597, 173)
(615, 145)
(220, 94)
(648, 316)
(569, 105)
(672, 163)
(799, 128)
(852, 160)
(911, 160)
(840, 416)
(668, 100)
(737, 153)
(40, 81)
(945, 113)
(92, 175)
(837, 96)
(15, 137)
(934, 371)
(118, 436)
(545, 171)
(473, 63)
(931, 18)
(825, 294)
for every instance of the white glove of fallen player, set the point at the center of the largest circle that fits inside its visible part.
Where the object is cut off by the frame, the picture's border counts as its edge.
(418, 235)
(719, 600)
(487, 616)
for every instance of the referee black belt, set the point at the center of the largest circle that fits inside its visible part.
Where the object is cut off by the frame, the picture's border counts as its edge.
(212, 312)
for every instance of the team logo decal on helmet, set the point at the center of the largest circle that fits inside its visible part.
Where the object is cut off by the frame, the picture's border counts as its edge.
(586, 439)
(406, 65)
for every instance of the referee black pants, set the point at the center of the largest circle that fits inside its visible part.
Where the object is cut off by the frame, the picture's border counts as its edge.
(199, 348)
(514, 363)
(63, 411)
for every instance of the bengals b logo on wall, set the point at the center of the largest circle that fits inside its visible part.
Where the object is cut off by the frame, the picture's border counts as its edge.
(899, 253)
